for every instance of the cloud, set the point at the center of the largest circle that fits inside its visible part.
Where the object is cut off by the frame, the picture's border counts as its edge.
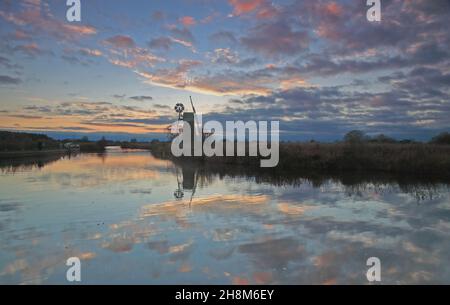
(5, 62)
(25, 116)
(141, 98)
(121, 42)
(158, 15)
(92, 116)
(229, 82)
(38, 16)
(21, 35)
(245, 6)
(277, 38)
(126, 53)
(175, 77)
(7, 80)
(224, 56)
(82, 56)
(262, 8)
(187, 21)
(164, 43)
(162, 107)
(210, 18)
(226, 37)
(182, 34)
(90, 52)
(31, 49)
(323, 113)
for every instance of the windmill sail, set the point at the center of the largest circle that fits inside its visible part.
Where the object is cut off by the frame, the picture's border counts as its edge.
(193, 108)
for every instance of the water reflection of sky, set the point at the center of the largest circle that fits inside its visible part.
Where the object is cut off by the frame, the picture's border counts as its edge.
(118, 214)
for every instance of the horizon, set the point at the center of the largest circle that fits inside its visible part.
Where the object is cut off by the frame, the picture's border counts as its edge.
(126, 137)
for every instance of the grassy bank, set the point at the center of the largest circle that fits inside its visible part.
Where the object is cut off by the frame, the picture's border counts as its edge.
(21, 144)
(417, 159)
(21, 141)
(404, 158)
(31, 153)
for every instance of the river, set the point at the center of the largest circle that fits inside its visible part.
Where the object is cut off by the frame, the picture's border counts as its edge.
(134, 219)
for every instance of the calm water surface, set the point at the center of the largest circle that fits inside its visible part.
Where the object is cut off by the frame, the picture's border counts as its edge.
(132, 218)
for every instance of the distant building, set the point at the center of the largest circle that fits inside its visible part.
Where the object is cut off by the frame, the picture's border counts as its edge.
(72, 146)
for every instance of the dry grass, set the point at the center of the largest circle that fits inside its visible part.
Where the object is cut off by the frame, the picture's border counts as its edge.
(417, 159)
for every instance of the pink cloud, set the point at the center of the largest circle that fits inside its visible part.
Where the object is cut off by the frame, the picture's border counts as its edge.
(276, 39)
(263, 8)
(21, 35)
(125, 53)
(187, 21)
(121, 42)
(333, 9)
(34, 14)
(210, 18)
(31, 49)
(245, 6)
(79, 29)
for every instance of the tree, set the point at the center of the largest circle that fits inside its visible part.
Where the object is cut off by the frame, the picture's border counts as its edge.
(84, 139)
(355, 136)
(103, 142)
(381, 138)
(442, 138)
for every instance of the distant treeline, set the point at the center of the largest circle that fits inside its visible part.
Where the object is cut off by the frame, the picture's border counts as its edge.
(28, 142)
(358, 136)
(20, 141)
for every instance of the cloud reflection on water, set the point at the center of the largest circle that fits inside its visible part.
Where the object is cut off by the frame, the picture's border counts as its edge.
(233, 230)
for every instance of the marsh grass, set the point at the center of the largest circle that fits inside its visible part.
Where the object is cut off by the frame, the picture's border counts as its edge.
(416, 158)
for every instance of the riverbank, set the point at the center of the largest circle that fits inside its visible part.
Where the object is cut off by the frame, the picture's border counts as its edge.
(32, 153)
(21, 144)
(414, 159)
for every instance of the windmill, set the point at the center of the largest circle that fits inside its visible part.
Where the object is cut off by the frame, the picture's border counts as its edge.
(186, 117)
(179, 108)
(187, 181)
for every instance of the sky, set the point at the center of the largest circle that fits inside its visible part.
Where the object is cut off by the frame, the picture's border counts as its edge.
(319, 67)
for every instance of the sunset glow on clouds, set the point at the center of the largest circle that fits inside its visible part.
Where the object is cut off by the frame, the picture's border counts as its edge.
(317, 66)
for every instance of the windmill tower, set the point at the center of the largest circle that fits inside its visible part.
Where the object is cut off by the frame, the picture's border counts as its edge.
(189, 117)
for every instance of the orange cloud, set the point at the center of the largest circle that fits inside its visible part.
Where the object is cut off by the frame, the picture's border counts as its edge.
(245, 6)
(333, 9)
(91, 52)
(240, 281)
(83, 117)
(125, 53)
(262, 8)
(121, 41)
(41, 19)
(210, 18)
(293, 209)
(187, 21)
(79, 29)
